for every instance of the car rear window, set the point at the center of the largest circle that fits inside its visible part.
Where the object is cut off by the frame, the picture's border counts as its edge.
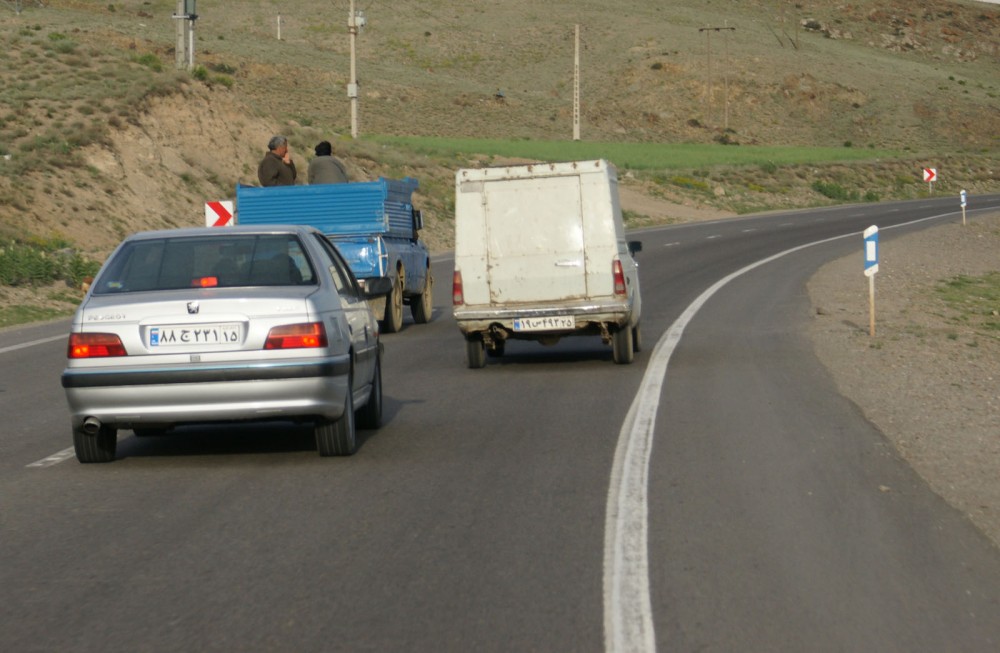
(205, 262)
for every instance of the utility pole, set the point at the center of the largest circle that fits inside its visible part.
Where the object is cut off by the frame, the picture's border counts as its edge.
(708, 34)
(576, 87)
(355, 21)
(184, 50)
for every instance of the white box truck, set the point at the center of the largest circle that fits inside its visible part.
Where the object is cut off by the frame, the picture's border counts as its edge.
(541, 254)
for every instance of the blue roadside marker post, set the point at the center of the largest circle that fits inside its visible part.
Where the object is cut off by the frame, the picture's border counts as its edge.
(871, 267)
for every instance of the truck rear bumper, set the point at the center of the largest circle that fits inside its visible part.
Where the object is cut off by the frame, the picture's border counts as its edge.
(587, 316)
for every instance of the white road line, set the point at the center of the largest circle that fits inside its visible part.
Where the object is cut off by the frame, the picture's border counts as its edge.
(673, 244)
(23, 345)
(54, 459)
(713, 236)
(628, 613)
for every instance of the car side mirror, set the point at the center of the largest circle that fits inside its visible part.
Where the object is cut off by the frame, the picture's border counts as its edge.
(634, 247)
(376, 287)
(418, 220)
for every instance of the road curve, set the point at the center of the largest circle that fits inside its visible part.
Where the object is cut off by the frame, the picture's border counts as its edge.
(777, 518)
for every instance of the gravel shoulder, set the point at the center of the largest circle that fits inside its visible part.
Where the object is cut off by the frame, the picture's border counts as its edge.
(927, 379)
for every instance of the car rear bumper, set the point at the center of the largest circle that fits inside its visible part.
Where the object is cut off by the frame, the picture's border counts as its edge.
(220, 393)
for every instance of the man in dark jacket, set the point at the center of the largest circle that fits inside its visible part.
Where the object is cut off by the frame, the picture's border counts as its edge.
(277, 167)
(326, 168)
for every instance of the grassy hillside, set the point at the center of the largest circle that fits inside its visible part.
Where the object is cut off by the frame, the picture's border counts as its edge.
(101, 136)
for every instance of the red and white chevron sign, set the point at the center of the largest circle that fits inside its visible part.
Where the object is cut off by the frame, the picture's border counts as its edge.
(930, 174)
(219, 214)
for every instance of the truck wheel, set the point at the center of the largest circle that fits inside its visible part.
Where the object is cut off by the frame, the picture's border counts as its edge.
(621, 343)
(393, 321)
(338, 438)
(475, 353)
(98, 448)
(422, 306)
(369, 416)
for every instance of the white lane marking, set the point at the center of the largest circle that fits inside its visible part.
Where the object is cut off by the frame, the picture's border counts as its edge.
(54, 459)
(673, 244)
(713, 236)
(628, 612)
(23, 345)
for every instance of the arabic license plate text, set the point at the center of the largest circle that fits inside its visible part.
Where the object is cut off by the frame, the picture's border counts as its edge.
(201, 334)
(555, 323)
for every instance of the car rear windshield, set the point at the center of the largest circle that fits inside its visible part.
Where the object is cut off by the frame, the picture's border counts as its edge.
(225, 261)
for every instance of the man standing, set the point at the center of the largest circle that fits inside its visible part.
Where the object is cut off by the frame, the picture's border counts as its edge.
(277, 167)
(326, 168)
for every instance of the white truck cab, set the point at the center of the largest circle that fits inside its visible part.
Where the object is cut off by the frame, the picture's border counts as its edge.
(541, 254)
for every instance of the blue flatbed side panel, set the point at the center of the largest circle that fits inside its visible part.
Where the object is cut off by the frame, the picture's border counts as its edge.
(361, 207)
(362, 254)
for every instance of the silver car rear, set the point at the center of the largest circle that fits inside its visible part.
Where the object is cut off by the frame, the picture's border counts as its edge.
(212, 325)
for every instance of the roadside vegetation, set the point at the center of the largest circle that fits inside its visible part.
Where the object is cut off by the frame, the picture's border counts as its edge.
(973, 302)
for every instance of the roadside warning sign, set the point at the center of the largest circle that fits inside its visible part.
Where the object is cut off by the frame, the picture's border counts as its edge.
(219, 214)
(930, 174)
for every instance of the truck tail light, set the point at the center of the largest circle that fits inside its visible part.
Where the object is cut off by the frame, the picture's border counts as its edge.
(296, 336)
(95, 345)
(457, 295)
(619, 276)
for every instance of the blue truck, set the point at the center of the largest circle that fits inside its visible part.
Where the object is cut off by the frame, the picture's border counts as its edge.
(372, 223)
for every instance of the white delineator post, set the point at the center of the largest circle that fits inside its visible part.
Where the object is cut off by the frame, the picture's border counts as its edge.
(871, 267)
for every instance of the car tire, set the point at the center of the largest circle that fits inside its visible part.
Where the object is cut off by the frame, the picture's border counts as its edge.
(393, 320)
(338, 438)
(422, 306)
(475, 353)
(97, 448)
(369, 416)
(636, 338)
(622, 343)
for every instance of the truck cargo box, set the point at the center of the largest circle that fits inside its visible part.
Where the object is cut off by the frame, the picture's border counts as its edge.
(540, 254)
(361, 207)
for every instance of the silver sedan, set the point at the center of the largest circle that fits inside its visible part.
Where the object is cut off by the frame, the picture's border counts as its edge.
(223, 324)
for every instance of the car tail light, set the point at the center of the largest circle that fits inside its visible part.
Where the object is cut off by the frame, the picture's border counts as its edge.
(205, 282)
(95, 345)
(457, 294)
(296, 336)
(619, 276)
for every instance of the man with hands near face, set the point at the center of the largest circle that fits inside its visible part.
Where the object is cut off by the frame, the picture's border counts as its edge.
(277, 167)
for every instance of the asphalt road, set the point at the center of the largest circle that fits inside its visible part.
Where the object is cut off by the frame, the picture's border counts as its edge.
(717, 494)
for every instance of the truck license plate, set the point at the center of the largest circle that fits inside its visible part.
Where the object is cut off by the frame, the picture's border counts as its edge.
(555, 323)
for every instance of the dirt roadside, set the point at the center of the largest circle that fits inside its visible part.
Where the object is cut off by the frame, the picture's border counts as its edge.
(927, 379)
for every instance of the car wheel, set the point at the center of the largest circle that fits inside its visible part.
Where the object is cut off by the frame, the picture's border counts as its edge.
(475, 353)
(338, 438)
(497, 350)
(422, 307)
(393, 321)
(636, 339)
(622, 343)
(369, 416)
(97, 448)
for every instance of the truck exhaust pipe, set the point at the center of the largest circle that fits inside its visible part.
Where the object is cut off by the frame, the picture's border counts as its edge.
(91, 426)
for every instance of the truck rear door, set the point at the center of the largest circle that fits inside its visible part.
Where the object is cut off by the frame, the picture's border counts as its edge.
(535, 240)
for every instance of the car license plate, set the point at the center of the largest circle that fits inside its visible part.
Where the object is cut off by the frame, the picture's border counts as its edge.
(200, 334)
(555, 323)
